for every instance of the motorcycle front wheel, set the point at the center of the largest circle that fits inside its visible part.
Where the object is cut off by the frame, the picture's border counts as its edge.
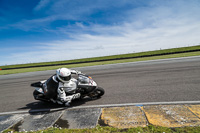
(97, 93)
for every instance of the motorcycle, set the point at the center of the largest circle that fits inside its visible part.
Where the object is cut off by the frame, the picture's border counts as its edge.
(86, 86)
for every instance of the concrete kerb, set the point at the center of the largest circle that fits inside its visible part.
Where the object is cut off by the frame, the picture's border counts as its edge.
(167, 114)
(100, 106)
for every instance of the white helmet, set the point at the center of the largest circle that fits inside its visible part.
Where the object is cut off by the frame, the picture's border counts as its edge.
(63, 74)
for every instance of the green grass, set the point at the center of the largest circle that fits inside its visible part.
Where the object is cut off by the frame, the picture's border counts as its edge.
(3, 72)
(99, 129)
(107, 57)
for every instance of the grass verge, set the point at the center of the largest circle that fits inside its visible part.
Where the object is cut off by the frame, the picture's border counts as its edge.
(122, 56)
(12, 71)
(99, 129)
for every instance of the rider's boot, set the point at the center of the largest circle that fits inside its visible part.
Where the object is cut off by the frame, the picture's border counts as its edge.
(67, 104)
(54, 101)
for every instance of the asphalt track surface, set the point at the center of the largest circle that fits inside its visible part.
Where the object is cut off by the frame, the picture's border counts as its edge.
(167, 80)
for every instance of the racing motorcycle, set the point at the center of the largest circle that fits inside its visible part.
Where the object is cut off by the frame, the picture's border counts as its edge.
(86, 86)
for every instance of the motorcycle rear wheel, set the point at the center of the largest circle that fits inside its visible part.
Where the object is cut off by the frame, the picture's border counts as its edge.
(38, 96)
(35, 94)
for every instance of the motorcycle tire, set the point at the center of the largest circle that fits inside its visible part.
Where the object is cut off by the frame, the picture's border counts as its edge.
(97, 93)
(37, 95)
(100, 91)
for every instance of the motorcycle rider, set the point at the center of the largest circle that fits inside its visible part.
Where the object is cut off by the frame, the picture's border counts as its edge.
(56, 86)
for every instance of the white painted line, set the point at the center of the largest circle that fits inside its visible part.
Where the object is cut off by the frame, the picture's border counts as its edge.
(101, 106)
(14, 112)
(138, 104)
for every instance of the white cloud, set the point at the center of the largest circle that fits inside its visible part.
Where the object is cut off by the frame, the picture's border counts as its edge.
(77, 10)
(146, 28)
(87, 45)
(41, 4)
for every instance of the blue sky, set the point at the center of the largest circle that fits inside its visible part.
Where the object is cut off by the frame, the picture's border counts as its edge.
(52, 30)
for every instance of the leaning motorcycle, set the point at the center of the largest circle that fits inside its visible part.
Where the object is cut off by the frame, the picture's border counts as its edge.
(86, 86)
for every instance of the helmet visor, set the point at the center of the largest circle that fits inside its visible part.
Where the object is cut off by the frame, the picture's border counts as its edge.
(66, 78)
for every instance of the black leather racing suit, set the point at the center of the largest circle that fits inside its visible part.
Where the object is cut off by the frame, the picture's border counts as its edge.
(53, 91)
(50, 87)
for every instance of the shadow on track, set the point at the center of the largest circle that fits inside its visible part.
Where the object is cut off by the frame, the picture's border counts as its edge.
(48, 106)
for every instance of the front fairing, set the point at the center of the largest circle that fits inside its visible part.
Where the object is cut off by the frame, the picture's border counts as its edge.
(86, 81)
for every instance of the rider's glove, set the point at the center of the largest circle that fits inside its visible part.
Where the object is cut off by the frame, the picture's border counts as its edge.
(75, 72)
(79, 72)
